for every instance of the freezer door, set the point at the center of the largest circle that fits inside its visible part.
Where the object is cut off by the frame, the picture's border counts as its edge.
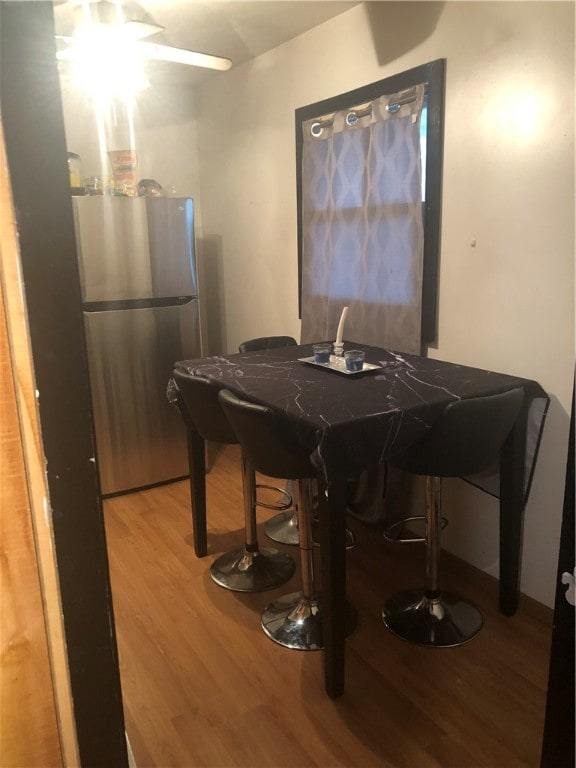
(135, 248)
(172, 253)
(113, 248)
(140, 438)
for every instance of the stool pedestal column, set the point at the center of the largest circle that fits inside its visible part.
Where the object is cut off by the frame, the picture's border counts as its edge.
(251, 569)
(430, 617)
(295, 620)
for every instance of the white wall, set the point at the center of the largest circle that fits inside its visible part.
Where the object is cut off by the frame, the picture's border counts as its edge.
(506, 303)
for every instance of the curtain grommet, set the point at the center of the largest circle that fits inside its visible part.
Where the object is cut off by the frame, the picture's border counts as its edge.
(316, 130)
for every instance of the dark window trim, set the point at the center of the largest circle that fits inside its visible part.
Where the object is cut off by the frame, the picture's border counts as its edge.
(34, 136)
(433, 74)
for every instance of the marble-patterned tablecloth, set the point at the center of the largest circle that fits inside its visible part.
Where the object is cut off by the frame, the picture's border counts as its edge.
(351, 423)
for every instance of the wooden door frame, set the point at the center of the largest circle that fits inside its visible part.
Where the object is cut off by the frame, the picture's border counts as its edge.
(31, 110)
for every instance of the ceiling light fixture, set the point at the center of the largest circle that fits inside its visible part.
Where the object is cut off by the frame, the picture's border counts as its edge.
(107, 62)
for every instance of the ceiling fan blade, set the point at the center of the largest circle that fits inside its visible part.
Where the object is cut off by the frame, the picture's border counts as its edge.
(183, 56)
(136, 30)
(141, 29)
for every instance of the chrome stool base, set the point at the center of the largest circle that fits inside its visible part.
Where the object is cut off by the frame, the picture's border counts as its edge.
(283, 528)
(295, 622)
(243, 571)
(442, 622)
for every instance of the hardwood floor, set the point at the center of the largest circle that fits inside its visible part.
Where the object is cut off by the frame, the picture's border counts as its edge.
(203, 685)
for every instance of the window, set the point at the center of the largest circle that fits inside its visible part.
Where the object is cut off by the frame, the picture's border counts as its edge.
(334, 205)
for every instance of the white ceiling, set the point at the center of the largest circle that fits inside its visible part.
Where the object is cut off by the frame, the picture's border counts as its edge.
(235, 29)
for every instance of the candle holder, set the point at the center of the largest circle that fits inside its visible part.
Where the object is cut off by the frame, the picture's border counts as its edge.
(338, 344)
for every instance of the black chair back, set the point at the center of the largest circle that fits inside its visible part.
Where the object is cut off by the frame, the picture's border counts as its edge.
(466, 439)
(268, 446)
(267, 342)
(200, 397)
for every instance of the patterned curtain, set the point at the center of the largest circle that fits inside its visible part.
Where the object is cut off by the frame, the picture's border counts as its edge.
(362, 223)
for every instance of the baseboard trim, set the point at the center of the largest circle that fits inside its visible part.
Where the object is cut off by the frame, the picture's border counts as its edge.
(529, 605)
(538, 611)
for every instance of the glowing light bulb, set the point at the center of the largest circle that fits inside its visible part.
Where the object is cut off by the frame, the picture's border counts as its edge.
(107, 62)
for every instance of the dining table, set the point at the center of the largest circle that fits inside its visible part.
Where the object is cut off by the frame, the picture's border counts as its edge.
(351, 422)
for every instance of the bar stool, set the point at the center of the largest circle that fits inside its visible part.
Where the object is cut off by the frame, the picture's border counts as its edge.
(282, 527)
(250, 569)
(465, 440)
(293, 620)
(267, 342)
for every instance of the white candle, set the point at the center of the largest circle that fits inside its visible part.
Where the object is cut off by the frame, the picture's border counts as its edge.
(340, 332)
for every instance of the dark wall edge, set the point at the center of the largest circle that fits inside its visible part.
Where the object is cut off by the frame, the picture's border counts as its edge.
(33, 125)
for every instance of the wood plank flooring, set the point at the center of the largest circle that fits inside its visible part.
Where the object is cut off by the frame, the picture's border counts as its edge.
(203, 685)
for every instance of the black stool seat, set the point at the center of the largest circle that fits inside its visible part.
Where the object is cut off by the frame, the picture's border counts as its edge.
(465, 440)
(267, 342)
(294, 620)
(282, 527)
(250, 569)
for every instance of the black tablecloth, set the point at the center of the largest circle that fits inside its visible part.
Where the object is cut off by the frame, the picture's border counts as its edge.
(354, 422)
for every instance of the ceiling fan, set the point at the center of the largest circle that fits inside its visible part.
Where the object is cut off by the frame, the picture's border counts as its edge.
(98, 22)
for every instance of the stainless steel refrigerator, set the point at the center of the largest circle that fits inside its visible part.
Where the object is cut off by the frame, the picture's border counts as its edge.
(140, 304)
